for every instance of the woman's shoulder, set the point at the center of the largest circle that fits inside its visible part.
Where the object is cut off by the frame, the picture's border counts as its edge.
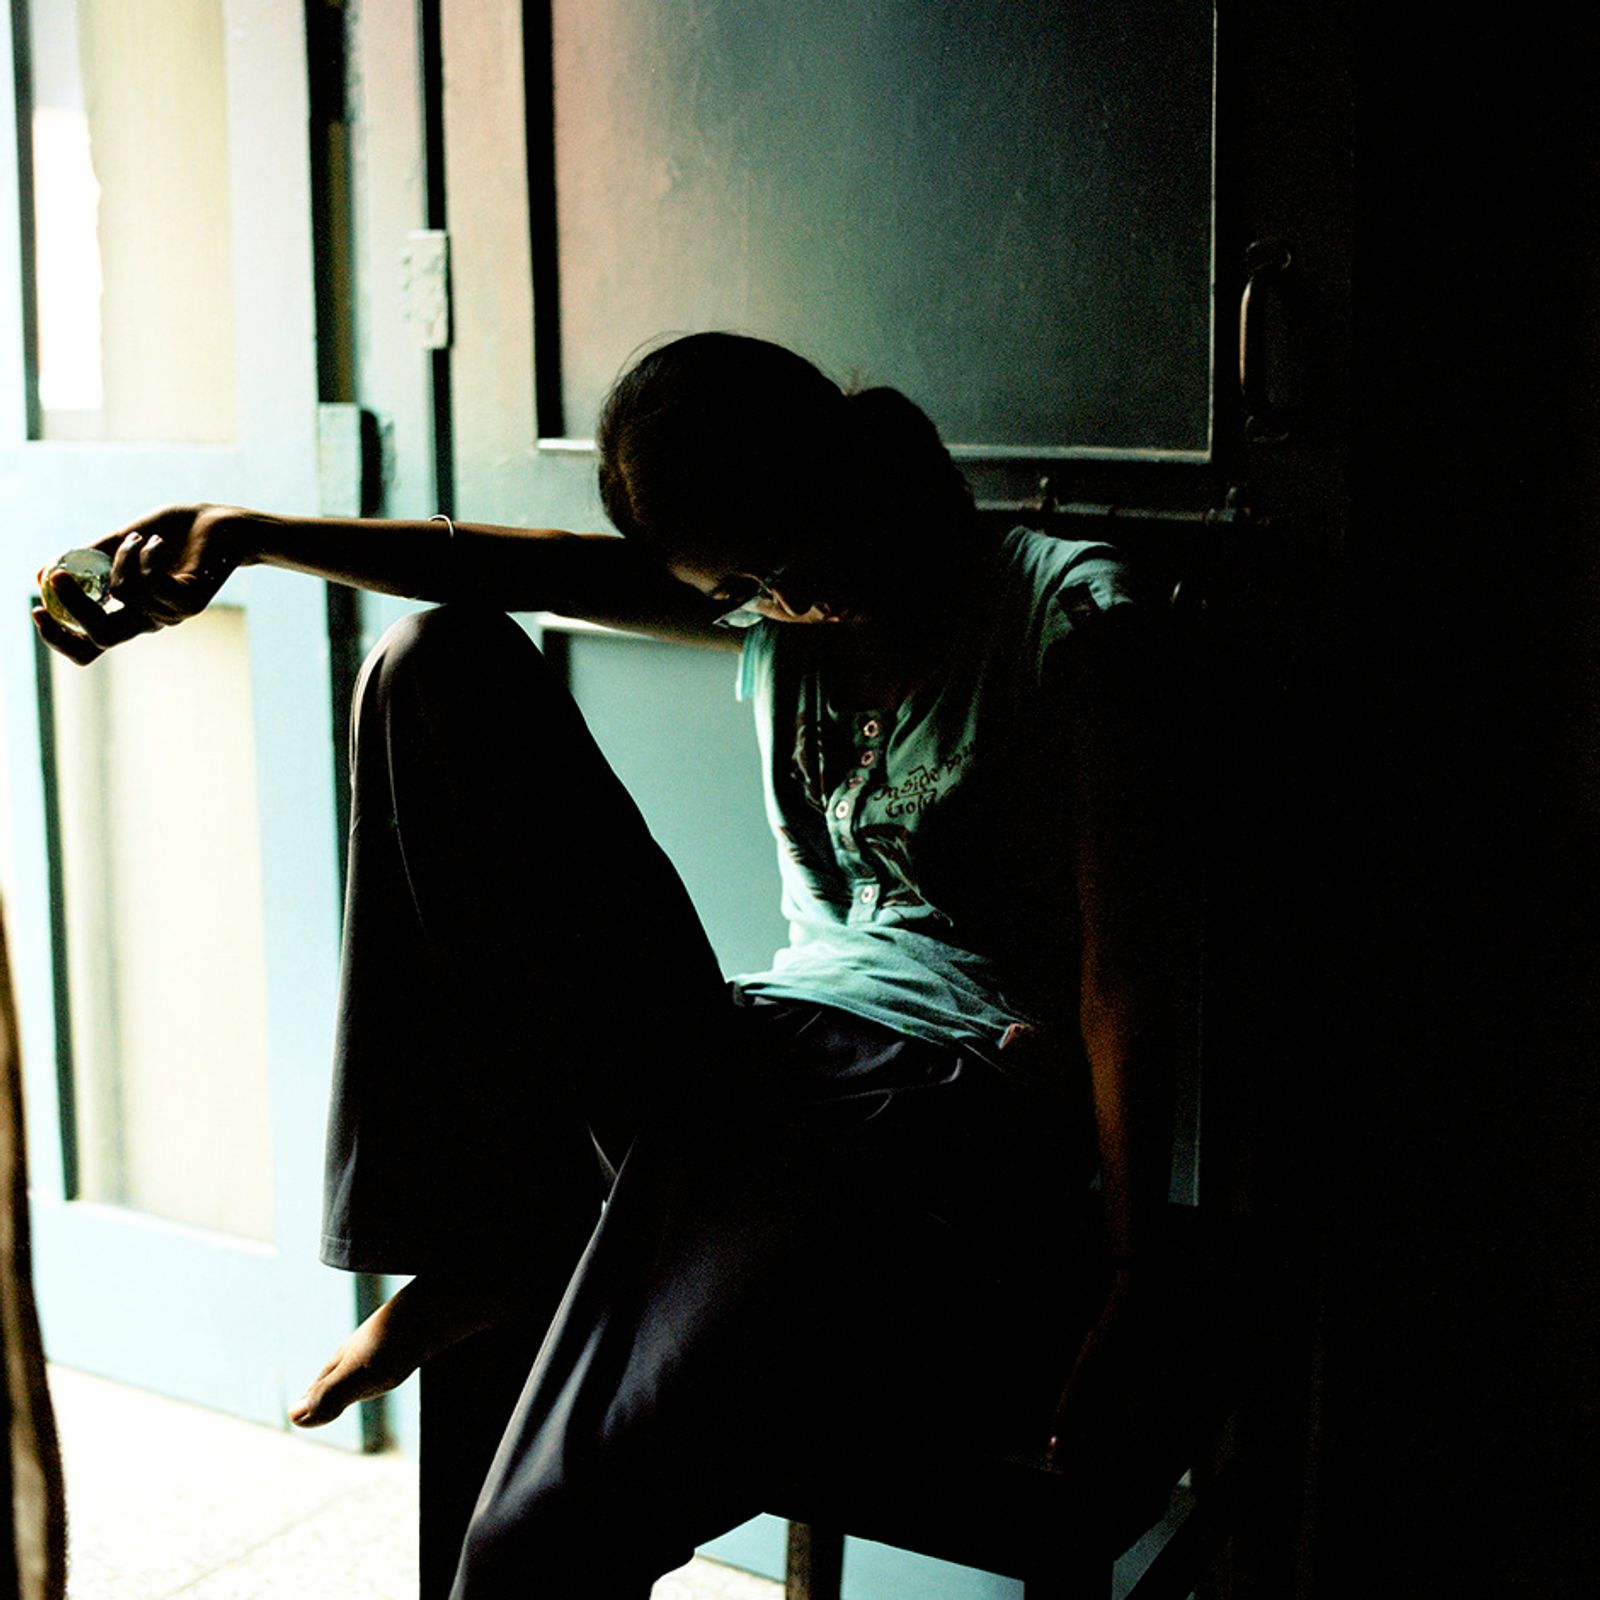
(1059, 582)
(1052, 596)
(1045, 565)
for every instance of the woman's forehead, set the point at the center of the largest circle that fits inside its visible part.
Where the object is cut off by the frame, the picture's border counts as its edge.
(718, 555)
(700, 574)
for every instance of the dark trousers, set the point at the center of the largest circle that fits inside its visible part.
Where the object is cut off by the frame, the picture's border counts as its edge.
(822, 1236)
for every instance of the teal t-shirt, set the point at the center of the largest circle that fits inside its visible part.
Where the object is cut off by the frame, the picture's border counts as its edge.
(925, 864)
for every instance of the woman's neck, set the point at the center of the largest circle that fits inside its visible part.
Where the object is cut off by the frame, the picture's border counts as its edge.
(872, 672)
(876, 661)
(874, 664)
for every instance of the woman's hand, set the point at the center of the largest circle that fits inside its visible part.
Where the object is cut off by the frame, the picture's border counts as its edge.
(165, 568)
(1104, 1403)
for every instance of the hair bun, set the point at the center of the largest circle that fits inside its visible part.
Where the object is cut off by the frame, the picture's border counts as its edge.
(906, 471)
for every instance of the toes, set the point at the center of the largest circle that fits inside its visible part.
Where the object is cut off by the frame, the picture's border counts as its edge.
(314, 1409)
(321, 1403)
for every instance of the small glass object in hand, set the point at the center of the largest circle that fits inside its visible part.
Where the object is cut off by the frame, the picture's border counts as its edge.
(91, 569)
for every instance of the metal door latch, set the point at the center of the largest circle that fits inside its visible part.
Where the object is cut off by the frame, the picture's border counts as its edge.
(425, 286)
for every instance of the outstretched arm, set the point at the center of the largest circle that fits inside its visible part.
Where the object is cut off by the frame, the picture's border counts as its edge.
(1133, 931)
(170, 564)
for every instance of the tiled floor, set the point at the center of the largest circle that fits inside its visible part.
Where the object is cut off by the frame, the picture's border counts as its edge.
(168, 1500)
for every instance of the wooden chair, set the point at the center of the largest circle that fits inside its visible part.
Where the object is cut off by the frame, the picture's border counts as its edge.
(1180, 1485)
(1185, 1485)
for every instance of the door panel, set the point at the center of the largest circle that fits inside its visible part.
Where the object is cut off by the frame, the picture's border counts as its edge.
(155, 796)
(1003, 209)
(668, 722)
(1013, 222)
(204, 1285)
(131, 219)
(986, 205)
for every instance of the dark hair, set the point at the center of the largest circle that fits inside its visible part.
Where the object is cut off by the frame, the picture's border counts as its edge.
(908, 481)
(720, 434)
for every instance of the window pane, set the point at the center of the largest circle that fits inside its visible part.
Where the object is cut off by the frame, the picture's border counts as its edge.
(155, 756)
(131, 264)
(1002, 207)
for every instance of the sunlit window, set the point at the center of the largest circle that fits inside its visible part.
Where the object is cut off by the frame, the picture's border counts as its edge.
(131, 266)
(161, 891)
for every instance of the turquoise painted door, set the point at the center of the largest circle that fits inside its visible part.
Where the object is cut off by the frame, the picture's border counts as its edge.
(171, 874)
(1004, 209)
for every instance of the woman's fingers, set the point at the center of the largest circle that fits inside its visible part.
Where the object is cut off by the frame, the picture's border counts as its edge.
(125, 562)
(143, 583)
(74, 646)
(96, 630)
(163, 594)
(135, 571)
(158, 578)
(103, 628)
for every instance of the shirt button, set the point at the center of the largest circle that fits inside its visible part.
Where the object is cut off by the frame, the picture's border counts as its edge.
(868, 757)
(869, 728)
(869, 893)
(842, 810)
(856, 780)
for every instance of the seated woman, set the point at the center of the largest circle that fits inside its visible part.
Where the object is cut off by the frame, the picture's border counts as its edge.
(844, 1212)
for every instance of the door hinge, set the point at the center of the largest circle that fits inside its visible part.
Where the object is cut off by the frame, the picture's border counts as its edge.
(349, 460)
(425, 286)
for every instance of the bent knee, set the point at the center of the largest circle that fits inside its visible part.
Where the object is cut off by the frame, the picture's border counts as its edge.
(451, 633)
(447, 649)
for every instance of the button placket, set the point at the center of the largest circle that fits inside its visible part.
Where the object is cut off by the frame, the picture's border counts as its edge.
(869, 729)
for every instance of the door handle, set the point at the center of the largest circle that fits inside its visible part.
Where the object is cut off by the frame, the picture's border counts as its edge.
(1265, 419)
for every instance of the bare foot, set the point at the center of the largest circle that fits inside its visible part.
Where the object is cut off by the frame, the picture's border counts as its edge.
(423, 1318)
